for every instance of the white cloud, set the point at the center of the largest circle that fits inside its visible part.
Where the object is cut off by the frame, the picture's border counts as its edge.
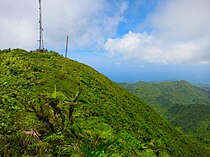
(146, 47)
(180, 34)
(123, 6)
(18, 27)
(87, 22)
(181, 19)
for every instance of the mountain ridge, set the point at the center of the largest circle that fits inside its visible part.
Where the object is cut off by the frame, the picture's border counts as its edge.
(51, 105)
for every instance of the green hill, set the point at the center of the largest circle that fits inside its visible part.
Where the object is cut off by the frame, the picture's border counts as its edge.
(184, 105)
(164, 95)
(53, 106)
(192, 119)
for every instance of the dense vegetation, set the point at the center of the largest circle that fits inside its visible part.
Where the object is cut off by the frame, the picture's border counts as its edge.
(192, 119)
(184, 105)
(167, 94)
(53, 106)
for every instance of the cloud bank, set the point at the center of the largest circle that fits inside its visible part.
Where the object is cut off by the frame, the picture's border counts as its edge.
(180, 34)
(87, 22)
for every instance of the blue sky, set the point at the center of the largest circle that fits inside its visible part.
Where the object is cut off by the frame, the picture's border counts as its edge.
(126, 40)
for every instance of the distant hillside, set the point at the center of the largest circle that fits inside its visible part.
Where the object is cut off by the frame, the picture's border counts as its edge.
(184, 105)
(193, 119)
(53, 106)
(166, 94)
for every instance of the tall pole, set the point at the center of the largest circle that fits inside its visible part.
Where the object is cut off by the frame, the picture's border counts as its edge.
(67, 40)
(41, 41)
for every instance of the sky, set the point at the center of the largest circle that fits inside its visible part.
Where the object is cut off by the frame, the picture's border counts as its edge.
(126, 40)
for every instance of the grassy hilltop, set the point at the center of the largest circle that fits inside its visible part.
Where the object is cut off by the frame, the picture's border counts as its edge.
(53, 106)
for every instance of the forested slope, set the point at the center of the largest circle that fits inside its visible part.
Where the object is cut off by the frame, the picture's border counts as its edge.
(184, 105)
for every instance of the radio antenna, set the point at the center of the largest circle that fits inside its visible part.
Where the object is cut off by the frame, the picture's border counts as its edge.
(41, 40)
(67, 40)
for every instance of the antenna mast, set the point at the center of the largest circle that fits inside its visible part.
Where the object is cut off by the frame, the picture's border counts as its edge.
(67, 40)
(41, 40)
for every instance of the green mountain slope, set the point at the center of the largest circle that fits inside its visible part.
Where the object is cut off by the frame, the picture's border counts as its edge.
(53, 106)
(184, 105)
(193, 119)
(166, 94)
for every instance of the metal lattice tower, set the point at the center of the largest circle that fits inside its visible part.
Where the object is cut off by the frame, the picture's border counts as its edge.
(41, 40)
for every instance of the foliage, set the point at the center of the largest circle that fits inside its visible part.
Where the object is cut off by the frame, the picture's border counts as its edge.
(166, 94)
(184, 105)
(53, 106)
(193, 119)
